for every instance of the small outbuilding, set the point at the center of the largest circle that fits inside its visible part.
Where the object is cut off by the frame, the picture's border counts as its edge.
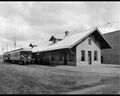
(83, 48)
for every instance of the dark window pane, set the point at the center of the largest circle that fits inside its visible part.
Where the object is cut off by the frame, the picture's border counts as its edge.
(89, 41)
(95, 55)
(60, 57)
(82, 55)
(101, 59)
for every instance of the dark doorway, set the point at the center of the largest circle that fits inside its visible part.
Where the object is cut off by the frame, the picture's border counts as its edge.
(89, 57)
(101, 59)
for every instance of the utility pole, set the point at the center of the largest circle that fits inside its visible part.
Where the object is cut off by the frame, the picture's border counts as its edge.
(2, 49)
(14, 43)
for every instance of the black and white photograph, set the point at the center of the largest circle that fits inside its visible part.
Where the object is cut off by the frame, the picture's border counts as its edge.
(59, 47)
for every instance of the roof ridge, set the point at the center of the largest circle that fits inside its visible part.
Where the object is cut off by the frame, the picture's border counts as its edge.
(84, 31)
(70, 40)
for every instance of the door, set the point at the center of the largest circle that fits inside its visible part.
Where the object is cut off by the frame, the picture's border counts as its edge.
(89, 57)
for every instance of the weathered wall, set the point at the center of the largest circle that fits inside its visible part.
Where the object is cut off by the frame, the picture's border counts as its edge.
(56, 54)
(84, 46)
(111, 56)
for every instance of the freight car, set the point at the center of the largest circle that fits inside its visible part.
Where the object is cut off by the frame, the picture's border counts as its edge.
(20, 56)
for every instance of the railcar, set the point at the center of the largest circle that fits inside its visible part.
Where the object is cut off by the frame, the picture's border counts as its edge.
(20, 56)
(6, 57)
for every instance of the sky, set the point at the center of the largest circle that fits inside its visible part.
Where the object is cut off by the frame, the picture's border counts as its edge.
(35, 22)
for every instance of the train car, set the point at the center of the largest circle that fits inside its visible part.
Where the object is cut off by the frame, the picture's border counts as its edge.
(20, 56)
(6, 57)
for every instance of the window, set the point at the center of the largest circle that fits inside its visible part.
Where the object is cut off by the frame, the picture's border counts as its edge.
(82, 55)
(71, 57)
(60, 57)
(101, 59)
(52, 58)
(95, 55)
(89, 41)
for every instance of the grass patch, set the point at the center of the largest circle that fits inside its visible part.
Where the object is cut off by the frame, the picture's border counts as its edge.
(16, 79)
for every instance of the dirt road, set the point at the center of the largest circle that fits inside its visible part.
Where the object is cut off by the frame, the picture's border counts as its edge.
(38, 79)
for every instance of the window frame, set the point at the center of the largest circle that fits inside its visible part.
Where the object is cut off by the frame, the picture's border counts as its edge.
(89, 41)
(83, 56)
(95, 55)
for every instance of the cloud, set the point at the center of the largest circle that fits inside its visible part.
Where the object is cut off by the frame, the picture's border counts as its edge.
(36, 21)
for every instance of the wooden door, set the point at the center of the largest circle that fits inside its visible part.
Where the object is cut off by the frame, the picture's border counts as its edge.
(89, 57)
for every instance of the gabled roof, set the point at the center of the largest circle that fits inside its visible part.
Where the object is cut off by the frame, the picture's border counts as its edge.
(52, 38)
(59, 37)
(109, 27)
(107, 30)
(72, 40)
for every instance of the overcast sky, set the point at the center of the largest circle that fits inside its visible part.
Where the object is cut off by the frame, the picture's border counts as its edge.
(35, 22)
